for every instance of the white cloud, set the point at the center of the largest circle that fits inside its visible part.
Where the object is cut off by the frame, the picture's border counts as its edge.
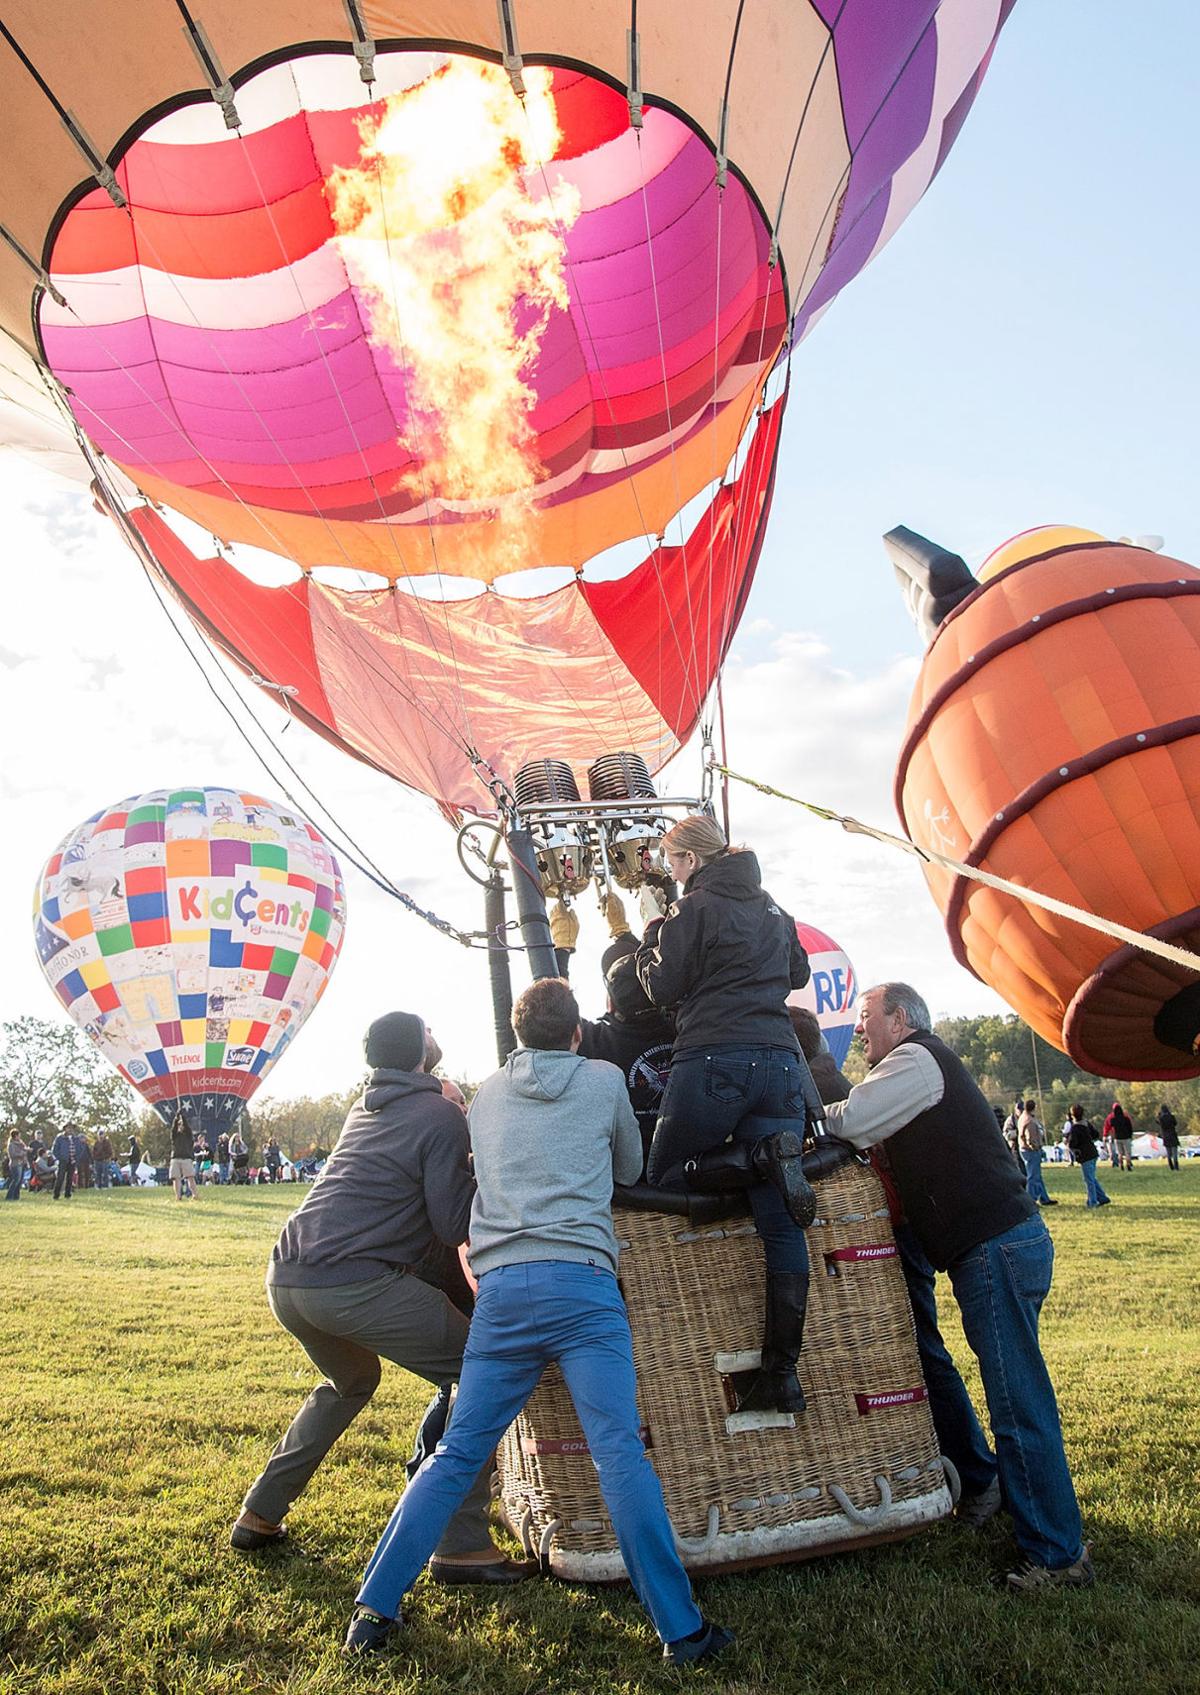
(810, 726)
(105, 703)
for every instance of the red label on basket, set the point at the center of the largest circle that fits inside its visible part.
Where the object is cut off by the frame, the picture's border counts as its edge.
(893, 1398)
(864, 1251)
(568, 1444)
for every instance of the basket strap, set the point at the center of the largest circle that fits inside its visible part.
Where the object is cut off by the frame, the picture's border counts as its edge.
(866, 1516)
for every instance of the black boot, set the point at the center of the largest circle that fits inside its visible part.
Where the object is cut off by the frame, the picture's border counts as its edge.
(779, 1159)
(774, 1387)
(738, 1165)
(728, 1167)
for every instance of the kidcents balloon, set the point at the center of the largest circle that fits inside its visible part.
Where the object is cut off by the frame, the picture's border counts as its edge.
(831, 991)
(444, 311)
(190, 932)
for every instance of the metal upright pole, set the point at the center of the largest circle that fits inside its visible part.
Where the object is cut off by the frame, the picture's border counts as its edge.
(498, 966)
(531, 904)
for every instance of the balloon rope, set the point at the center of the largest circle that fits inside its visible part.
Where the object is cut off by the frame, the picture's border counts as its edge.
(1030, 897)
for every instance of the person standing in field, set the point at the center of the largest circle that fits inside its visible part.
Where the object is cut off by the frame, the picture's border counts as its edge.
(1011, 1128)
(239, 1155)
(134, 1155)
(18, 1165)
(344, 1280)
(1120, 1128)
(83, 1160)
(1168, 1130)
(973, 1218)
(1081, 1141)
(222, 1158)
(102, 1157)
(63, 1151)
(182, 1168)
(551, 1132)
(273, 1159)
(1031, 1136)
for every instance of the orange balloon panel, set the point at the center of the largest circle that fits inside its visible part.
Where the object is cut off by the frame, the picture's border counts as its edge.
(1054, 740)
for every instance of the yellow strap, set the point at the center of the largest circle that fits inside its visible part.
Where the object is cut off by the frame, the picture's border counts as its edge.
(1031, 897)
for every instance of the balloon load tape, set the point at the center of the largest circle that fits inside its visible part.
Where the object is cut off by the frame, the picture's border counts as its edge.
(614, 836)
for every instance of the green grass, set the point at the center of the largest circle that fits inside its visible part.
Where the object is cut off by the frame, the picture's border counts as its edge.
(144, 1382)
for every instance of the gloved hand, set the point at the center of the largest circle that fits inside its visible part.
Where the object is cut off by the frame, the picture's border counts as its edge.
(614, 911)
(564, 927)
(651, 903)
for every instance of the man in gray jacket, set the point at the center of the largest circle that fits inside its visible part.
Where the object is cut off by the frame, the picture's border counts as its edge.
(550, 1133)
(396, 1190)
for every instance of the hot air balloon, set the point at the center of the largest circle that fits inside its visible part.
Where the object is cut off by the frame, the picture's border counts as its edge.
(831, 992)
(190, 933)
(1054, 739)
(418, 315)
(419, 312)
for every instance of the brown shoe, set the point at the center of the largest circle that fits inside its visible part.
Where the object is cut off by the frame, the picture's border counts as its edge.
(247, 1540)
(486, 1571)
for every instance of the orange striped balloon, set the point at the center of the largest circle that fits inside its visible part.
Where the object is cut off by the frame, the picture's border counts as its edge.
(1054, 739)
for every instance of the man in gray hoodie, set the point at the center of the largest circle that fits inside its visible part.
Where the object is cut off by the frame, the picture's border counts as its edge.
(395, 1193)
(549, 1133)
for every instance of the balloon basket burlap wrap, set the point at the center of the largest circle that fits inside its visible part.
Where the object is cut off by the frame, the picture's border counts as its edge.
(860, 1467)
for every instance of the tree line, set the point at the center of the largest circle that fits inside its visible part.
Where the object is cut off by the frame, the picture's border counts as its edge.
(1007, 1059)
(50, 1075)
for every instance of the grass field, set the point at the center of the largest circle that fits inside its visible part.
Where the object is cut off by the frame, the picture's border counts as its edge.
(144, 1382)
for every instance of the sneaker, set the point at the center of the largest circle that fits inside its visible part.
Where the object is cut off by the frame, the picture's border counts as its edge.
(976, 1510)
(712, 1639)
(1032, 1576)
(368, 1633)
(1048, 1202)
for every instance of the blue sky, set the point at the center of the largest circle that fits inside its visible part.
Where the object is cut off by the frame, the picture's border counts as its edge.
(1024, 352)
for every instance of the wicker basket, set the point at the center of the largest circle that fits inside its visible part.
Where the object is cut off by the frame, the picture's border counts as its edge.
(860, 1466)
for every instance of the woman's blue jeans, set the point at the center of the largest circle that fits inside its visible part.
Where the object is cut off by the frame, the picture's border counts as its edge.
(525, 1317)
(1095, 1194)
(746, 1093)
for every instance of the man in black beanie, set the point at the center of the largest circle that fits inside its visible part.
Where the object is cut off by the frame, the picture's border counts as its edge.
(395, 1194)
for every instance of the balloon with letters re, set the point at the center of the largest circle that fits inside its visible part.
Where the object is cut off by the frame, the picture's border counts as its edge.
(831, 990)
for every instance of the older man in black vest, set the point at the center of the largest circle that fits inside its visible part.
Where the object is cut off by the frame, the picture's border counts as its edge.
(968, 1208)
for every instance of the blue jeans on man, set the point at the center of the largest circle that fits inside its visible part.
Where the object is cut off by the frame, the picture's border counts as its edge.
(1032, 1159)
(525, 1317)
(959, 1433)
(746, 1093)
(1000, 1287)
(16, 1177)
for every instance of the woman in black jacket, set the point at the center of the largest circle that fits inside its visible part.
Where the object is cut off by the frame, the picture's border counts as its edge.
(1168, 1129)
(1081, 1141)
(725, 957)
